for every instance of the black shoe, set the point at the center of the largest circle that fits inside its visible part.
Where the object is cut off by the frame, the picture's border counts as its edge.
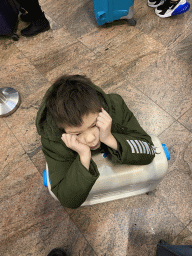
(37, 26)
(57, 252)
(162, 242)
(26, 17)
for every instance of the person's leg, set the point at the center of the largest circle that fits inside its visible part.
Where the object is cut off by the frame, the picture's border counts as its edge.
(31, 6)
(39, 23)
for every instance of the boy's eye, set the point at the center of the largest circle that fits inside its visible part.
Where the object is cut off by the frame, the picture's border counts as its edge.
(91, 127)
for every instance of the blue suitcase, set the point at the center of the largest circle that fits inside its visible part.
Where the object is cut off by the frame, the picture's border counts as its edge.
(110, 10)
(9, 12)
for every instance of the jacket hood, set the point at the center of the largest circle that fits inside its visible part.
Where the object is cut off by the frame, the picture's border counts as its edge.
(47, 128)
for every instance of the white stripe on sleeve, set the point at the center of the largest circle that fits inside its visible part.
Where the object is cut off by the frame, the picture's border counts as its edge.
(132, 148)
(140, 148)
(135, 145)
(147, 147)
(143, 146)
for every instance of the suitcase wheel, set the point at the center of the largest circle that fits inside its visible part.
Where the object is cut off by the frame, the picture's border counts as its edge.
(151, 192)
(132, 22)
(15, 37)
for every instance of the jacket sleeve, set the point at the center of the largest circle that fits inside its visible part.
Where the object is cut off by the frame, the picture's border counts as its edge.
(135, 146)
(71, 182)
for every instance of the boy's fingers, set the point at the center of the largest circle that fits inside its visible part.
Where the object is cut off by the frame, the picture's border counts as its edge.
(104, 119)
(73, 138)
(104, 115)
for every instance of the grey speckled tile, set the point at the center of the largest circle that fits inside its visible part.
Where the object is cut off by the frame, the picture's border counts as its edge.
(77, 16)
(130, 51)
(178, 140)
(45, 51)
(33, 223)
(22, 122)
(186, 119)
(10, 151)
(105, 228)
(17, 72)
(102, 36)
(167, 82)
(166, 31)
(190, 226)
(78, 59)
(150, 224)
(184, 238)
(9, 52)
(2, 122)
(130, 226)
(150, 116)
(17, 177)
(176, 187)
(184, 49)
(39, 160)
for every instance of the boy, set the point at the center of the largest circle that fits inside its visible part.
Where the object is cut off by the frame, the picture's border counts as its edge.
(77, 120)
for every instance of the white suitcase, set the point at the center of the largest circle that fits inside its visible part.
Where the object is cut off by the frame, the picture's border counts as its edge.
(120, 181)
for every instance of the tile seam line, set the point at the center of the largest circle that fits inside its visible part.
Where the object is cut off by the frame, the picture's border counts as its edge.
(93, 50)
(66, 47)
(175, 119)
(169, 46)
(86, 47)
(126, 41)
(155, 104)
(29, 60)
(185, 112)
(81, 233)
(171, 212)
(177, 56)
(184, 228)
(25, 152)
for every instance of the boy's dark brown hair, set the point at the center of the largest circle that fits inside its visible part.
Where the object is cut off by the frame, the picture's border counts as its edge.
(70, 99)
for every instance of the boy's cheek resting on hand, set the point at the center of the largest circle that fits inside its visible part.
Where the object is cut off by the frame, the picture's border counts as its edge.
(72, 142)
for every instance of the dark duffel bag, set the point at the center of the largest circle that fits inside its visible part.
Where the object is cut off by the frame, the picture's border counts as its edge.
(164, 249)
(9, 12)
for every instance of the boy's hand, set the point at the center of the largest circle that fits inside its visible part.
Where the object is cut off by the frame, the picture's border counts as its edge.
(71, 142)
(104, 122)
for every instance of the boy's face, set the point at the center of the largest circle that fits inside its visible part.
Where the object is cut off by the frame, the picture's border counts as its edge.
(88, 133)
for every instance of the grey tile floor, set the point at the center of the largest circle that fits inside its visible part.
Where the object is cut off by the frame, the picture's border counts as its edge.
(150, 66)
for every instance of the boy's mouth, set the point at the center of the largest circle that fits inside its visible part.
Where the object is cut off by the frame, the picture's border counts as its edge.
(96, 145)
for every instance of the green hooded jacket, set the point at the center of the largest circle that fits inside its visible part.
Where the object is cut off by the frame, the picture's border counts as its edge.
(71, 182)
